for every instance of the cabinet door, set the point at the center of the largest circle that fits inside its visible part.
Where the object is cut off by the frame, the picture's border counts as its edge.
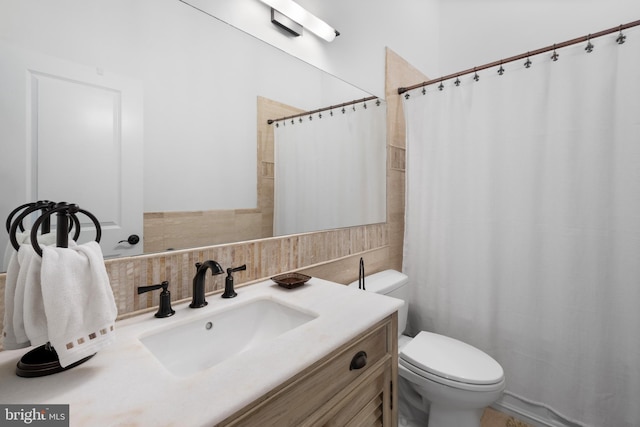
(368, 405)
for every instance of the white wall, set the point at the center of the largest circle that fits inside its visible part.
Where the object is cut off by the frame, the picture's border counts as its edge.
(409, 27)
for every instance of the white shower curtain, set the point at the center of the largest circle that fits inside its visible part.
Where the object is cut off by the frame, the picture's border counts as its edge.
(330, 171)
(523, 225)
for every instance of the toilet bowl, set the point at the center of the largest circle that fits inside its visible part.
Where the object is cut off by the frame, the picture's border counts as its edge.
(443, 381)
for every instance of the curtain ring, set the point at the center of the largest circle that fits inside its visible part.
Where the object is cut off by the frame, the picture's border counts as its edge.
(501, 69)
(621, 37)
(528, 62)
(589, 47)
(555, 55)
(476, 77)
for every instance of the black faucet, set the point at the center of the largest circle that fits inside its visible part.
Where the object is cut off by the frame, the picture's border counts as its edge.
(228, 283)
(198, 299)
(164, 309)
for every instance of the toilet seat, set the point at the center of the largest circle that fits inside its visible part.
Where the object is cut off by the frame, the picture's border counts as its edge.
(451, 362)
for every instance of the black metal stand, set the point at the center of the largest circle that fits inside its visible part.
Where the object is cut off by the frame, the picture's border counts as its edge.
(44, 360)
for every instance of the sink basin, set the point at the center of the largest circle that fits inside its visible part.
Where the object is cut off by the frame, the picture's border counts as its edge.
(199, 344)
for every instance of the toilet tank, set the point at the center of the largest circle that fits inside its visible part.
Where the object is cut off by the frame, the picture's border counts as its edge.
(391, 283)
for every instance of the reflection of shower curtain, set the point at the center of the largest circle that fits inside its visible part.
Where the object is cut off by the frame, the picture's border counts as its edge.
(523, 225)
(330, 171)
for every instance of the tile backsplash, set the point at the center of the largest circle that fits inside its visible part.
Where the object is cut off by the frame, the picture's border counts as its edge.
(264, 258)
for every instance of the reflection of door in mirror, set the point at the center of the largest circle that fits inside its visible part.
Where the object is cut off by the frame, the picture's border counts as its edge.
(78, 126)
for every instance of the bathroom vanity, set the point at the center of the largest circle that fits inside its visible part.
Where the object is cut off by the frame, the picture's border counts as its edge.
(303, 364)
(334, 392)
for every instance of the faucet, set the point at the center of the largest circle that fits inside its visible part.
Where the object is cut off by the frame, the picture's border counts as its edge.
(198, 299)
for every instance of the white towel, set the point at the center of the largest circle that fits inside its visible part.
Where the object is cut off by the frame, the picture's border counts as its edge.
(9, 340)
(21, 237)
(9, 252)
(78, 301)
(23, 274)
(14, 335)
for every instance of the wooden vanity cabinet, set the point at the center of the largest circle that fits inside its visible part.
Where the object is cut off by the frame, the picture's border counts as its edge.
(333, 393)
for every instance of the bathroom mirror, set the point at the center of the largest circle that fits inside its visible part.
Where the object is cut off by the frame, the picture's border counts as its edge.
(201, 80)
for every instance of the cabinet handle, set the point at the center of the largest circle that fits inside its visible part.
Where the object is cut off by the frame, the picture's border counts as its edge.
(359, 361)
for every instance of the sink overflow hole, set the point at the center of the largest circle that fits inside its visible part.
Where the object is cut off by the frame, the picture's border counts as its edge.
(208, 326)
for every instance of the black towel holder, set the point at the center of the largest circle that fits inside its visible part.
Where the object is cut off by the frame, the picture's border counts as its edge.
(45, 206)
(42, 205)
(63, 211)
(43, 360)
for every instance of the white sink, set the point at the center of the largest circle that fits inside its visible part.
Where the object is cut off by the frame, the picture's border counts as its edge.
(191, 347)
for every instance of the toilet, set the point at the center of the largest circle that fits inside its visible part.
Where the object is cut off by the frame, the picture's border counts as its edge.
(444, 382)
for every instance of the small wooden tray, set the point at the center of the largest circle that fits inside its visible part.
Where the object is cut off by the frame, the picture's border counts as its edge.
(291, 280)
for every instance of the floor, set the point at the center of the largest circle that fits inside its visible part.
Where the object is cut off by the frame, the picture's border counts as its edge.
(493, 418)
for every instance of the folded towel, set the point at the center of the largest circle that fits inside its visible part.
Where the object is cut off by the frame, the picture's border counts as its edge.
(78, 301)
(23, 275)
(28, 279)
(25, 237)
(9, 341)
(33, 313)
(9, 252)
(14, 335)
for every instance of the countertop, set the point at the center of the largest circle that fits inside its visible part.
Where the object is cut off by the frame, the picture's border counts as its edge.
(125, 384)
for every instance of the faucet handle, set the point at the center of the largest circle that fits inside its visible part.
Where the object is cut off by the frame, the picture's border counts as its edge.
(164, 309)
(233, 270)
(228, 283)
(143, 289)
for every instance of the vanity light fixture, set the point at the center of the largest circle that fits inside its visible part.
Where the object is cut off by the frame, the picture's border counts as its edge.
(289, 25)
(296, 14)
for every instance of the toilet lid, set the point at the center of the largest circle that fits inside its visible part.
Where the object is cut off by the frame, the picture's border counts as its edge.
(451, 359)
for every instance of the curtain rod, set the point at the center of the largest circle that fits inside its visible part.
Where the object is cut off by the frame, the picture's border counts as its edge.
(402, 90)
(308, 113)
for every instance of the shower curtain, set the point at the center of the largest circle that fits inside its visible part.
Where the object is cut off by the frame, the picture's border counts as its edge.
(330, 170)
(522, 232)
